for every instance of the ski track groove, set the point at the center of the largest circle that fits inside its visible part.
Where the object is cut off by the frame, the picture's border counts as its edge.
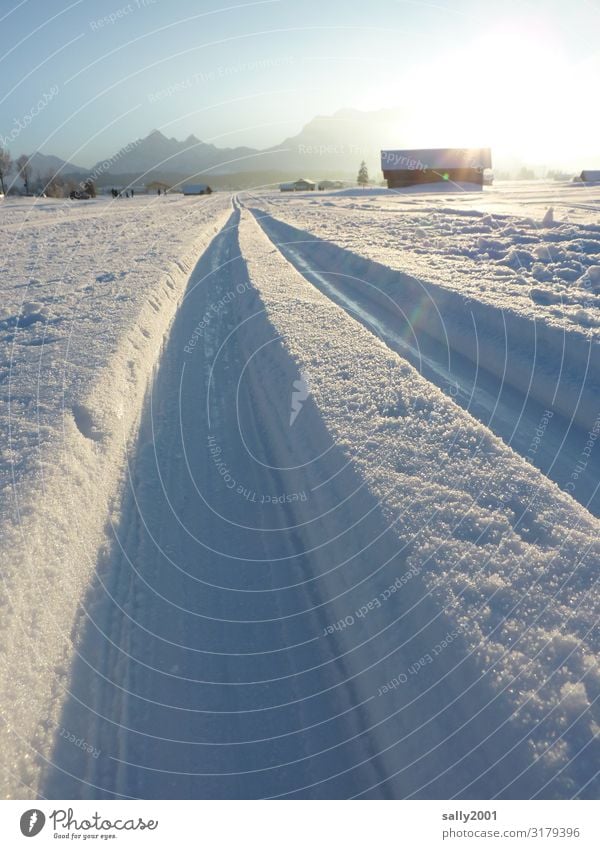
(143, 739)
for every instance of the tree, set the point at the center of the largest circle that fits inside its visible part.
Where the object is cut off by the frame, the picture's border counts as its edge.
(5, 166)
(69, 186)
(24, 170)
(526, 174)
(54, 186)
(363, 174)
(90, 188)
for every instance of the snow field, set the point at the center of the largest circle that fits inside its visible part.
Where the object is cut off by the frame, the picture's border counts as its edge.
(517, 298)
(317, 575)
(508, 562)
(76, 364)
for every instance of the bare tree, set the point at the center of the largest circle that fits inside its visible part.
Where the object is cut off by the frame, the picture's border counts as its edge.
(24, 170)
(5, 166)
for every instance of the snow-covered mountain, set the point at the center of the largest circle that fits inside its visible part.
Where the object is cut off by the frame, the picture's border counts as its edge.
(156, 152)
(328, 144)
(339, 142)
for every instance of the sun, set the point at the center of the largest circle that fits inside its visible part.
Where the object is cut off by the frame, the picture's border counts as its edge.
(506, 89)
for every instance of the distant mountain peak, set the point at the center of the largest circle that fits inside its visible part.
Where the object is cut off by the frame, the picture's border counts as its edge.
(347, 113)
(46, 164)
(325, 146)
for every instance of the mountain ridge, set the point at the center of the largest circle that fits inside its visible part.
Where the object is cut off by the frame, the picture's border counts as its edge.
(328, 143)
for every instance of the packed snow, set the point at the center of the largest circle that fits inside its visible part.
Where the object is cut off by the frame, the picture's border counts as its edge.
(515, 297)
(87, 296)
(80, 284)
(498, 246)
(507, 558)
(271, 523)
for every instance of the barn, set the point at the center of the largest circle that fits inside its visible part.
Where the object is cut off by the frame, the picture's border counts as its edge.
(158, 186)
(300, 185)
(590, 177)
(402, 168)
(197, 189)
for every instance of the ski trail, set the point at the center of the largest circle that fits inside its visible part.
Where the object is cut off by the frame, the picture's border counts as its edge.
(227, 652)
(203, 633)
(405, 437)
(514, 416)
(65, 475)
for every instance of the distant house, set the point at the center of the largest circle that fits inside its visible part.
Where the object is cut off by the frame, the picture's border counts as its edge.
(590, 176)
(300, 185)
(403, 168)
(197, 189)
(326, 185)
(157, 186)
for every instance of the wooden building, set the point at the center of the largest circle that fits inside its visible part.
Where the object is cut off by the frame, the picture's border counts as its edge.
(590, 176)
(197, 189)
(157, 185)
(300, 185)
(403, 168)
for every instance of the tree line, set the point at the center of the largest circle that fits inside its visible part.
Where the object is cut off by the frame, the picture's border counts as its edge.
(52, 185)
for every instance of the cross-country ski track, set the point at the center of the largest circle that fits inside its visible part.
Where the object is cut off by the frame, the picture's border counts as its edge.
(329, 570)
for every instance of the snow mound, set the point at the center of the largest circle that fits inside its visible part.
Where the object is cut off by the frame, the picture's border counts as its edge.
(590, 279)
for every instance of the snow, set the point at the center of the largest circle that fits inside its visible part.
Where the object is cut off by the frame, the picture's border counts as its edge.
(516, 290)
(75, 283)
(508, 559)
(87, 296)
(269, 526)
(442, 187)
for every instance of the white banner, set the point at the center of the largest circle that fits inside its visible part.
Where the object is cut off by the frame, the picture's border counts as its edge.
(302, 824)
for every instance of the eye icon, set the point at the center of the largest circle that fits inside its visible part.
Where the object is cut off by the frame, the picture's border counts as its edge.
(32, 822)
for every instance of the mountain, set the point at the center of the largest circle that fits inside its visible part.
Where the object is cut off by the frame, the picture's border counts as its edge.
(328, 146)
(158, 154)
(337, 143)
(46, 164)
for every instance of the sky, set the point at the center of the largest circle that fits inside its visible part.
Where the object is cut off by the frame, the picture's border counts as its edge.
(82, 78)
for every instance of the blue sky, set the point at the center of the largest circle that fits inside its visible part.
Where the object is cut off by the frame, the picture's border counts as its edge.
(514, 75)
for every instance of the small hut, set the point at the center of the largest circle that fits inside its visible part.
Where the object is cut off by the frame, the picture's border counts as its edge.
(402, 168)
(300, 185)
(197, 189)
(157, 185)
(590, 176)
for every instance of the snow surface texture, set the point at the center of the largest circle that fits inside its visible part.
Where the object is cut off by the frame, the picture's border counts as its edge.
(533, 386)
(519, 297)
(88, 293)
(508, 559)
(319, 577)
